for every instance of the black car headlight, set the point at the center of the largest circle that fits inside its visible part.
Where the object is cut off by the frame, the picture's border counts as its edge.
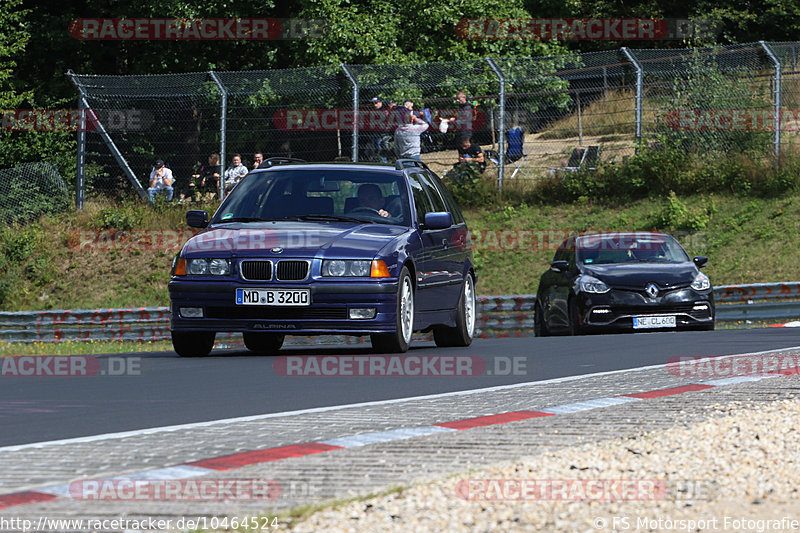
(701, 282)
(346, 267)
(208, 267)
(592, 285)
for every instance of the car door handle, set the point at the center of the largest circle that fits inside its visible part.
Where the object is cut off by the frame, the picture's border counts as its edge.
(444, 243)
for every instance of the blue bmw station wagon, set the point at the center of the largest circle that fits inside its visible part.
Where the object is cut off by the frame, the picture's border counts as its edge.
(311, 249)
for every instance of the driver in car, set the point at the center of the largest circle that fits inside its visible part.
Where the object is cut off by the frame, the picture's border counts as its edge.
(369, 195)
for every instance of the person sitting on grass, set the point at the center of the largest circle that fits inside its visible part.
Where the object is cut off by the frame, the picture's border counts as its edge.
(205, 180)
(470, 153)
(161, 181)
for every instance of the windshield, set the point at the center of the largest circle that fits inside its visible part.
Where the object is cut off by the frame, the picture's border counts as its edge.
(358, 196)
(629, 248)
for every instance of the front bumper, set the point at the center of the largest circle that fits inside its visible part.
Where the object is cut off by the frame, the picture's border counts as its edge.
(327, 314)
(616, 309)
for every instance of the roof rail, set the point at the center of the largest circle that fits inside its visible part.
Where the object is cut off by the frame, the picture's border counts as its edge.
(400, 164)
(273, 161)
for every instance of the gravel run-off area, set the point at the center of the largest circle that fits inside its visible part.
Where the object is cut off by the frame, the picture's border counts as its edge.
(739, 470)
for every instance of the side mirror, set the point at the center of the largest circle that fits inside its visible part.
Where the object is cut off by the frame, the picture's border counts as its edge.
(197, 218)
(438, 220)
(700, 261)
(559, 266)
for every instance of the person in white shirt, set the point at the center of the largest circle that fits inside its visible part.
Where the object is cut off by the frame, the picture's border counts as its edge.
(161, 180)
(235, 172)
(406, 137)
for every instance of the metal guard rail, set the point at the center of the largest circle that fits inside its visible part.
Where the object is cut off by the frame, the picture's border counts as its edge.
(509, 315)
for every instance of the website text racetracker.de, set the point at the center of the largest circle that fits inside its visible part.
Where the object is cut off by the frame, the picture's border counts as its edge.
(398, 366)
(44, 523)
(69, 366)
(584, 29)
(497, 240)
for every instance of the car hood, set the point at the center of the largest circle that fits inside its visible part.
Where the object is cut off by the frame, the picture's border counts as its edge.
(294, 239)
(636, 276)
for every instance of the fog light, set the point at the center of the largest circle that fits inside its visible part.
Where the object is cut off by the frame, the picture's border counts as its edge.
(362, 313)
(601, 311)
(191, 312)
(700, 307)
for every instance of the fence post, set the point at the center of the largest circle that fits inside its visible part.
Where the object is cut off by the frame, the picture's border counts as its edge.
(222, 131)
(80, 183)
(778, 68)
(84, 103)
(355, 110)
(639, 84)
(501, 145)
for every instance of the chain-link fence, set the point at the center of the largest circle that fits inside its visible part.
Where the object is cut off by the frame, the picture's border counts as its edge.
(30, 190)
(536, 118)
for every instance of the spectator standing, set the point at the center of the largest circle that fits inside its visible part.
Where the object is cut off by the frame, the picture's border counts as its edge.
(378, 127)
(235, 172)
(464, 115)
(407, 137)
(161, 181)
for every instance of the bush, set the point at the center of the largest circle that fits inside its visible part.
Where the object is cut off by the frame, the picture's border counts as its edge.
(469, 187)
(677, 216)
(664, 168)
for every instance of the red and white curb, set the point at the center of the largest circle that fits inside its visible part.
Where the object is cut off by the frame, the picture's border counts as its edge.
(238, 460)
(792, 324)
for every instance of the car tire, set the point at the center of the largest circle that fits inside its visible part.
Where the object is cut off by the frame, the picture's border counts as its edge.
(193, 343)
(399, 341)
(464, 330)
(263, 343)
(539, 324)
(574, 327)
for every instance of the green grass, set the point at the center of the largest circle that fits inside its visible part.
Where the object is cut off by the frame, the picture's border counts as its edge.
(81, 347)
(748, 239)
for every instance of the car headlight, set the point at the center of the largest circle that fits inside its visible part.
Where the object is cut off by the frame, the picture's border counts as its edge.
(204, 267)
(346, 267)
(592, 285)
(701, 282)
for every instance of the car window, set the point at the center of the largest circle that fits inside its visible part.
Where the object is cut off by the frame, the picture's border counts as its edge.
(561, 253)
(614, 248)
(343, 194)
(422, 203)
(430, 188)
(452, 206)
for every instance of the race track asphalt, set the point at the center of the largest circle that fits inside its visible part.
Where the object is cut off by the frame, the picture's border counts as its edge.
(170, 390)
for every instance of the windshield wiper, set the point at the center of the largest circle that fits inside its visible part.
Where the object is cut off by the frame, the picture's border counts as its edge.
(337, 218)
(241, 219)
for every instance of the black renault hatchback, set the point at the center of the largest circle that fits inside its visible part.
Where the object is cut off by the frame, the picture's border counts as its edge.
(623, 282)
